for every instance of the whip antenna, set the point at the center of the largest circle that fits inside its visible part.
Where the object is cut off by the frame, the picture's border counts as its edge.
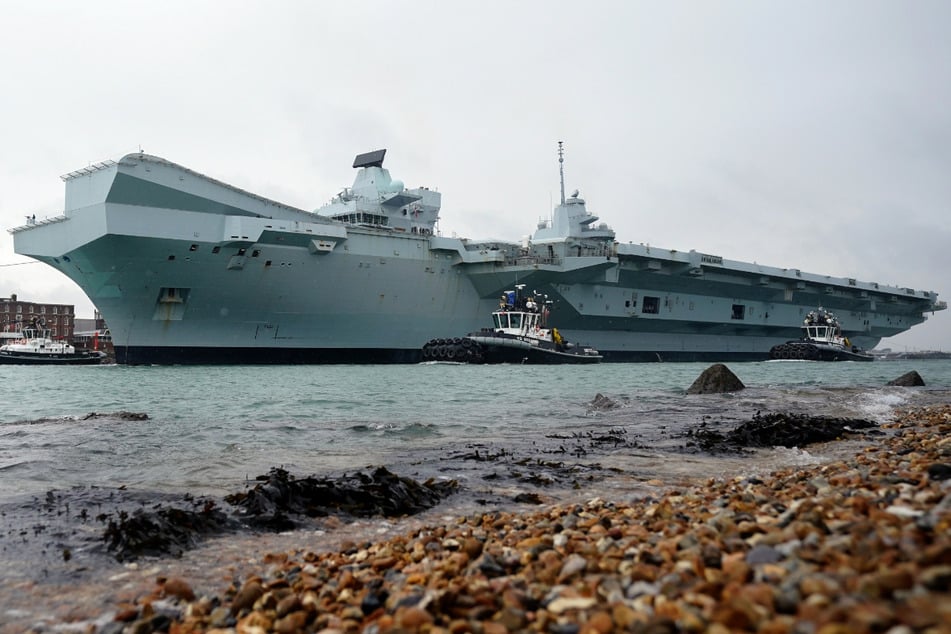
(561, 169)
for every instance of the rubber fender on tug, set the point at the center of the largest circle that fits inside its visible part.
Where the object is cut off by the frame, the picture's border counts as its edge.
(803, 351)
(469, 351)
(779, 351)
(460, 349)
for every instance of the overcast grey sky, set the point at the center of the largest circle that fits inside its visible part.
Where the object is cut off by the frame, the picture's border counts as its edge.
(811, 135)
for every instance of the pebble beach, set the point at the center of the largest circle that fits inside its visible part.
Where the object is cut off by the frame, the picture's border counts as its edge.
(862, 544)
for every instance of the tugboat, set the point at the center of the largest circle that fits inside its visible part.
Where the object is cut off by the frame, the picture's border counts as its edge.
(822, 340)
(520, 334)
(35, 347)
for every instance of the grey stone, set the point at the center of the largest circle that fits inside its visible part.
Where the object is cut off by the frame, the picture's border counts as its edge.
(715, 380)
(908, 379)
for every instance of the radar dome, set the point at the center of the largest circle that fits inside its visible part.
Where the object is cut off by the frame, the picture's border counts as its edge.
(396, 185)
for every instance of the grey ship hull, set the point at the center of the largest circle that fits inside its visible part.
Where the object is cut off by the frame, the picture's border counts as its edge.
(186, 269)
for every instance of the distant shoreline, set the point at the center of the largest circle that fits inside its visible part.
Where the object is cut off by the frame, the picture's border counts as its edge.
(902, 356)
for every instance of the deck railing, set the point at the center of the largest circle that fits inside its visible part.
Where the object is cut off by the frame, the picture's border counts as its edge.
(32, 222)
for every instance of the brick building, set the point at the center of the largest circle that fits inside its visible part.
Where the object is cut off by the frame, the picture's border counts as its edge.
(16, 315)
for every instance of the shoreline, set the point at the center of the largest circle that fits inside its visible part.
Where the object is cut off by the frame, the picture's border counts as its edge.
(860, 544)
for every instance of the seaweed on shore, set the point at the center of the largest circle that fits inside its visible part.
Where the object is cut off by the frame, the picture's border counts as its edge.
(163, 530)
(776, 429)
(278, 502)
(279, 495)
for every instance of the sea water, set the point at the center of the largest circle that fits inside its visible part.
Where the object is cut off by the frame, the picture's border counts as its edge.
(73, 459)
(209, 429)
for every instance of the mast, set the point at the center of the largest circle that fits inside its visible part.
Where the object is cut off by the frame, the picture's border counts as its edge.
(561, 169)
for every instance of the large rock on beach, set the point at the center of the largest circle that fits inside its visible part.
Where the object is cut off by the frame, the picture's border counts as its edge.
(908, 379)
(715, 380)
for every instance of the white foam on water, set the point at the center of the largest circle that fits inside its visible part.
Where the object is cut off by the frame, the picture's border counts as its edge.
(795, 456)
(879, 405)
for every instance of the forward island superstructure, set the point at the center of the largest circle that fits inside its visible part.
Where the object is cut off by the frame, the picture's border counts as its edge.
(186, 269)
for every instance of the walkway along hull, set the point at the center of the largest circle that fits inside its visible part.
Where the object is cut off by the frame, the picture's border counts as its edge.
(187, 269)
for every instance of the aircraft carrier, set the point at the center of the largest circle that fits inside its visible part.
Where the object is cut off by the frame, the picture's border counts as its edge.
(186, 269)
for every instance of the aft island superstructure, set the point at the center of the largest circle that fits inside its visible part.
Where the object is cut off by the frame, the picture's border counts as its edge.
(188, 269)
